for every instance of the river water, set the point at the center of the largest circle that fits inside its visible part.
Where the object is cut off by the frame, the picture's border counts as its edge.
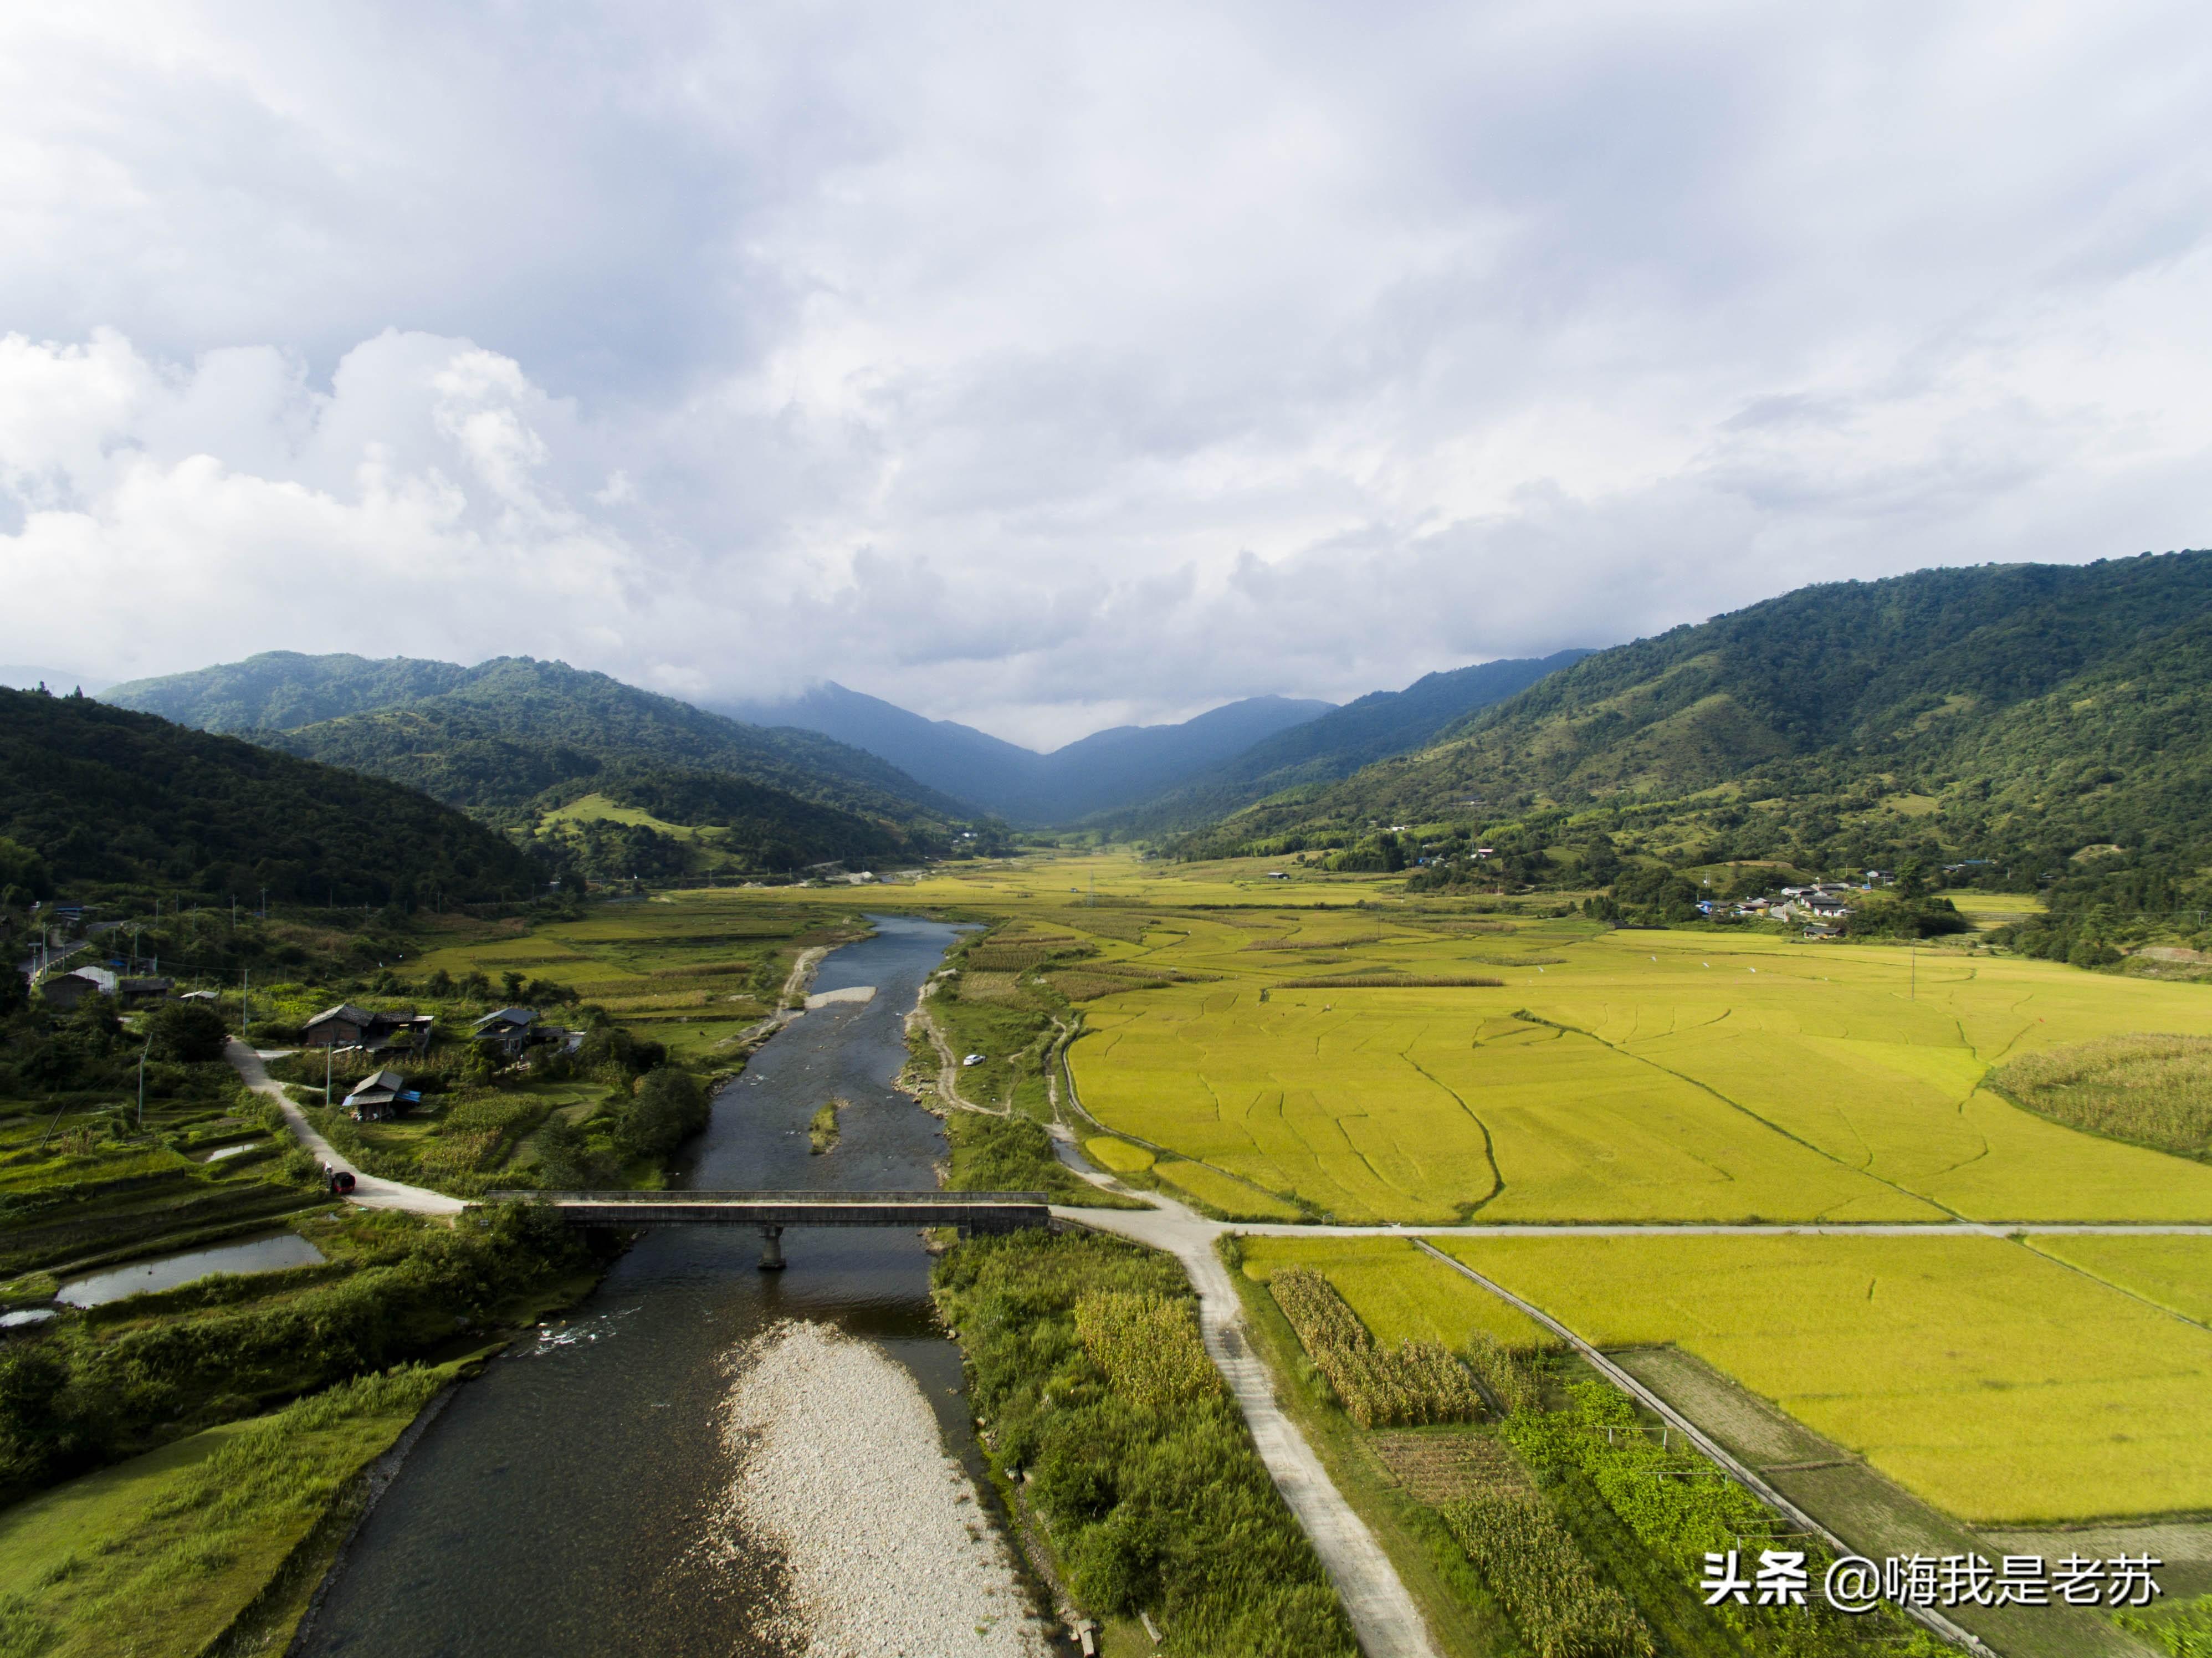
(565, 1502)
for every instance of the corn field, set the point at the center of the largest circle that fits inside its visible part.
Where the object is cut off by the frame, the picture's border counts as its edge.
(1536, 1570)
(1417, 1382)
(1508, 1379)
(1147, 1345)
(2153, 1090)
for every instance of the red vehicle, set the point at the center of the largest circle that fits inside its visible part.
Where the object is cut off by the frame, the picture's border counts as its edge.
(340, 1180)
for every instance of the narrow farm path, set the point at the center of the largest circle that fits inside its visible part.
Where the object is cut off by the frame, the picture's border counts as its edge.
(1383, 1613)
(370, 1192)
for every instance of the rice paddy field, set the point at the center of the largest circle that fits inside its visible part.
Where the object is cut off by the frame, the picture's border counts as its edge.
(1664, 1077)
(1996, 1381)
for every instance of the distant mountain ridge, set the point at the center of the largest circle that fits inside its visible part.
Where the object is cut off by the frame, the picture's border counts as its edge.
(1337, 743)
(1106, 771)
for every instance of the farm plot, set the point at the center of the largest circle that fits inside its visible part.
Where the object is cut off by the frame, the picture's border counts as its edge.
(1399, 1293)
(1434, 1104)
(2001, 1386)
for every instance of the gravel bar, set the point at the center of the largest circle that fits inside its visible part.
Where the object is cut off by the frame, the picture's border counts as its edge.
(840, 1465)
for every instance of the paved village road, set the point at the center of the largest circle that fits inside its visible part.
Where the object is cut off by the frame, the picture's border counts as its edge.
(370, 1192)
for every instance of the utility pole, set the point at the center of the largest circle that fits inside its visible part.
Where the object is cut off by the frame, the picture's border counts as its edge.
(1914, 953)
(142, 1084)
(244, 1004)
(328, 1047)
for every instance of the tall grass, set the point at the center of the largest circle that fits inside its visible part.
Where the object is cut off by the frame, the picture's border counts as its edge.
(1533, 1564)
(2153, 1090)
(1417, 1382)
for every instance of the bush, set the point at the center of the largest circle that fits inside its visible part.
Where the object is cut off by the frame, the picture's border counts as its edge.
(667, 1107)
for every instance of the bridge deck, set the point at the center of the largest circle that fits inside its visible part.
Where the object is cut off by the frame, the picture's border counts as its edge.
(973, 1212)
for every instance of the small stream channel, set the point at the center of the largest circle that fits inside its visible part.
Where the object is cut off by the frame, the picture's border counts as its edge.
(564, 1503)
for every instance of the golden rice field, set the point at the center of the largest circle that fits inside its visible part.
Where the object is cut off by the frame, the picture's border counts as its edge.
(2173, 1273)
(1399, 1294)
(1625, 1076)
(1995, 1382)
(1221, 1192)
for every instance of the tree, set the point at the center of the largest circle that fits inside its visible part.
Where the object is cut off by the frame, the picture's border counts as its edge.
(668, 1108)
(192, 1033)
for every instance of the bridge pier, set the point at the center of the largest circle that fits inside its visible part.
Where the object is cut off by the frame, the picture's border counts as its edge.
(772, 1249)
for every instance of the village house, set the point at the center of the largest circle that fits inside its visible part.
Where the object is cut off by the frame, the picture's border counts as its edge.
(508, 1029)
(137, 992)
(380, 1097)
(65, 991)
(347, 1026)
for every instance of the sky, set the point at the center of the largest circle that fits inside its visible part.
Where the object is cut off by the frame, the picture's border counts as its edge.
(1050, 367)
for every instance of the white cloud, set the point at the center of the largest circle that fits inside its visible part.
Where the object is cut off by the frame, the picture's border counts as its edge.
(1047, 368)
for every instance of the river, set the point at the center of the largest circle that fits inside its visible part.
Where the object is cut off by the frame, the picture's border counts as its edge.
(565, 1502)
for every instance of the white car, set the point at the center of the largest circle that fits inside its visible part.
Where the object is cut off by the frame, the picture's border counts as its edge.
(975, 1059)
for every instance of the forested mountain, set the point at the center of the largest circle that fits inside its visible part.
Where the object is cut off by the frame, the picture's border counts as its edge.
(1105, 771)
(1336, 743)
(2051, 720)
(280, 690)
(493, 737)
(103, 797)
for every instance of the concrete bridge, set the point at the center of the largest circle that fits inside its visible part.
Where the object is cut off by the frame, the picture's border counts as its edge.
(971, 1211)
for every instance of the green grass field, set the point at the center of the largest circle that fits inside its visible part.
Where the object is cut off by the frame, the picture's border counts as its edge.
(159, 1555)
(1998, 1383)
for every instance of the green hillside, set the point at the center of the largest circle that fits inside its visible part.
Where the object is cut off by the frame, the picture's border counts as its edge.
(103, 798)
(2036, 725)
(279, 690)
(666, 821)
(513, 741)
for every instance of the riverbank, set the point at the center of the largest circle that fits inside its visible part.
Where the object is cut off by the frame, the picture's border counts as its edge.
(838, 1467)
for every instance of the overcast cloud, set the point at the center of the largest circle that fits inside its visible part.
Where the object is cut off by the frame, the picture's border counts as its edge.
(1042, 366)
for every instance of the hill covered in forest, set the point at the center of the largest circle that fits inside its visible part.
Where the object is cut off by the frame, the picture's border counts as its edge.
(2043, 723)
(95, 797)
(515, 740)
